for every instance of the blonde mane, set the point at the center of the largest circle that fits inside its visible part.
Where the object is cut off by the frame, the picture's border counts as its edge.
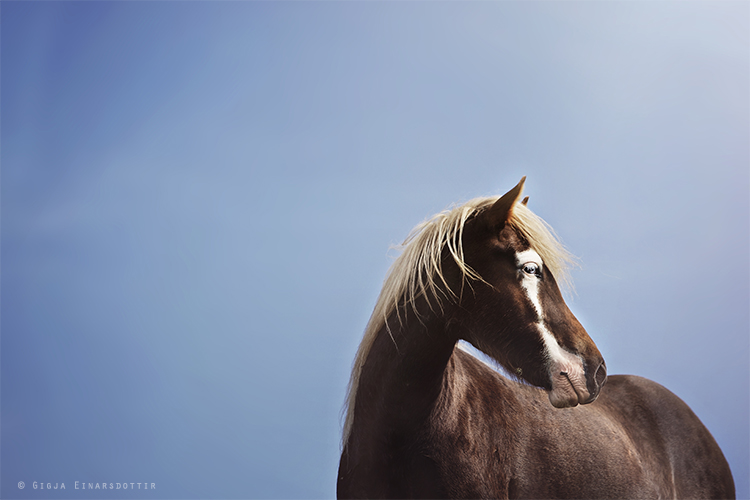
(418, 271)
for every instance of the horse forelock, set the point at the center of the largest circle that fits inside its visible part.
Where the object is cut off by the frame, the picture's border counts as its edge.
(545, 242)
(417, 272)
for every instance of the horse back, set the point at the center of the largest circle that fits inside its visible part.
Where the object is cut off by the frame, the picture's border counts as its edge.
(674, 446)
(491, 437)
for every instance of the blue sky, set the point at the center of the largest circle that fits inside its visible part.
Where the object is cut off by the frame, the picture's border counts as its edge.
(198, 200)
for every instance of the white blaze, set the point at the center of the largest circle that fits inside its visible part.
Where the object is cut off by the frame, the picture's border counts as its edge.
(531, 285)
(566, 369)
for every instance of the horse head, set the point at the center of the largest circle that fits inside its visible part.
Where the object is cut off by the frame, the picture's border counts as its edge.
(513, 310)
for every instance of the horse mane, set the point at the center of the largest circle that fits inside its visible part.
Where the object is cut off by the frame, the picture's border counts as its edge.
(418, 272)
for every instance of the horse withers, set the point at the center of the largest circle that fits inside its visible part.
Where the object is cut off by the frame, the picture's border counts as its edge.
(425, 419)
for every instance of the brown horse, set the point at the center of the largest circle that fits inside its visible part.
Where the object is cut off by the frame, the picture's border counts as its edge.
(427, 420)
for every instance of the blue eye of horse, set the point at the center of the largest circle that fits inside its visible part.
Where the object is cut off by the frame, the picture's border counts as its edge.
(531, 268)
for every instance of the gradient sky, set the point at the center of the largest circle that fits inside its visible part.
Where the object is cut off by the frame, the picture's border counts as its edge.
(198, 200)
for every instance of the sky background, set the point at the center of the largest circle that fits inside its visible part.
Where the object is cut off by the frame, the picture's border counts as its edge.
(198, 200)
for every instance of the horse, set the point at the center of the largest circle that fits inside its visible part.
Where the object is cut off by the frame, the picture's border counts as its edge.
(426, 419)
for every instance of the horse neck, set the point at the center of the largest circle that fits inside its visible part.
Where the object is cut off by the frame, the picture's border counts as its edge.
(402, 377)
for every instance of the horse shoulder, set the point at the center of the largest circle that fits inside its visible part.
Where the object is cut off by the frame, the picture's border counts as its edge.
(471, 429)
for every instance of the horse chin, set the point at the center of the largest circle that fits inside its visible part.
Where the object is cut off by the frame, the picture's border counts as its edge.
(561, 398)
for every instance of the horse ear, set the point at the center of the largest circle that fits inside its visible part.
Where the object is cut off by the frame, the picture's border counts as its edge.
(502, 209)
(525, 201)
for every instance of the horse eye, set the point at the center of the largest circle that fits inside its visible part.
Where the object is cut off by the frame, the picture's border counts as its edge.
(531, 268)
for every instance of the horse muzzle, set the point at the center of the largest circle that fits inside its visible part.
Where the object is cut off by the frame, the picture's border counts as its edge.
(573, 384)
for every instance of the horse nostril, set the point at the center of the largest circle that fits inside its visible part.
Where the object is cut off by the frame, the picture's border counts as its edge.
(601, 375)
